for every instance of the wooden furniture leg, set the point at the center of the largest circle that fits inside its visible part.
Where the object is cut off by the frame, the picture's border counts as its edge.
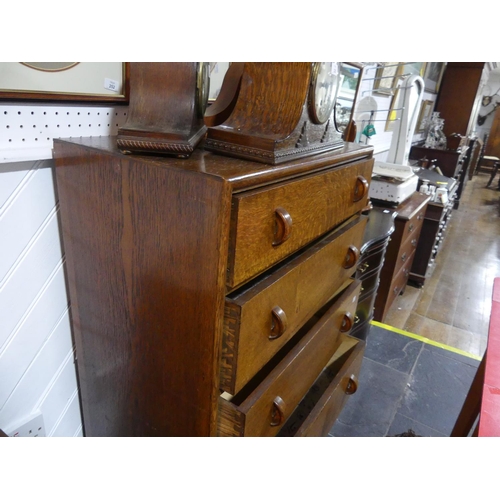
(472, 404)
(495, 170)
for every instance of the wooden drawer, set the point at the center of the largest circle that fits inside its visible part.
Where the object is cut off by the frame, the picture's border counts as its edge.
(271, 223)
(262, 408)
(364, 310)
(259, 320)
(407, 250)
(370, 264)
(399, 282)
(414, 225)
(317, 412)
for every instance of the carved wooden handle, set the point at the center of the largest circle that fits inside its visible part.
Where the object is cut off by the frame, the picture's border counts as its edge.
(280, 323)
(351, 257)
(283, 226)
(278, 412)
(347, 322)
(361, 188)
(352, 385)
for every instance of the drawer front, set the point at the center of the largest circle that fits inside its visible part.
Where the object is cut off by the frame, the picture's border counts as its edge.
(318, 411)
(407, 250)
(399, 282)
(264, 411)
(413, 226)
(365, 307)
(370, 264)
(370, 285)
(260, 320)
(269, 224)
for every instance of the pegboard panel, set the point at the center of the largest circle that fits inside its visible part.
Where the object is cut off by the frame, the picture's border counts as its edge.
(25, 128)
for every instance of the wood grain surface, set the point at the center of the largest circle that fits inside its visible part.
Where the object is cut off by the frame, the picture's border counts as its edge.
(147, 328)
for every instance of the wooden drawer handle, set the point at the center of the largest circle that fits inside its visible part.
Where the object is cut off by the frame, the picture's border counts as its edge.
(361, 188)
(280, 323)
(278, 412)
(283, 226)
(347, 322)
(352, 385)
(351, 257)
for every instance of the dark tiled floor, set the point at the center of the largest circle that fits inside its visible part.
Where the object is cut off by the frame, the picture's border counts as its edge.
(404, 384)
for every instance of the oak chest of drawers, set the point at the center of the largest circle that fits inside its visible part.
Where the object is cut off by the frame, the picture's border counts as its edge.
(400, 252)
(210, 295)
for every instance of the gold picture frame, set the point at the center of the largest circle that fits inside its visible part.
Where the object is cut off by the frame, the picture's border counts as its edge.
(426, 108)
(78, 81)
(433, 76)
(385, 77)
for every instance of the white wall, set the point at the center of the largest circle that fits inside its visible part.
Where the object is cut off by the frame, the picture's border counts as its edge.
(37, 365)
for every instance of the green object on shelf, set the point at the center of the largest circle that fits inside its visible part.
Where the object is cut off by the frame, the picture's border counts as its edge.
(369, 130)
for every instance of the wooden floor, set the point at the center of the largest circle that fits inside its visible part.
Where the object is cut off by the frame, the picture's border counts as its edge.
(453, 307)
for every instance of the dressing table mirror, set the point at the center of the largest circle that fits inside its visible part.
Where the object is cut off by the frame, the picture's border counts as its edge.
(351, 75)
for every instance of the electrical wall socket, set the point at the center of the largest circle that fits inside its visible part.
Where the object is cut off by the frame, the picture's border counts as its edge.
(31, 426)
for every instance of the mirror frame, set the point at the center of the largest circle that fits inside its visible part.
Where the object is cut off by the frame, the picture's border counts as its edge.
(360, 67)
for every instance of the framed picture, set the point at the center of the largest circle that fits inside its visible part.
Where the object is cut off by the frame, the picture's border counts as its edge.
(432, 76)
(425, 112)
(68, 81)
(385, 77)
(414, 68)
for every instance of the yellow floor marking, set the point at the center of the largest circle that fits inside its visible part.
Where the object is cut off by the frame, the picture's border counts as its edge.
(425, 340)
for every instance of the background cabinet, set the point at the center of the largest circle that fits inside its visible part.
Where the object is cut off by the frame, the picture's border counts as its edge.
(435, 224)
(459, 96)
(453, 164)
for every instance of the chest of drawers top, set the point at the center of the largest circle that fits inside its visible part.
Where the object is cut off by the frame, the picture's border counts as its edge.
(240, 174)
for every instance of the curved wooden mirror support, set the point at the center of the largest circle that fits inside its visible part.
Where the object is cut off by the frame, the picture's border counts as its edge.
(219, 111)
